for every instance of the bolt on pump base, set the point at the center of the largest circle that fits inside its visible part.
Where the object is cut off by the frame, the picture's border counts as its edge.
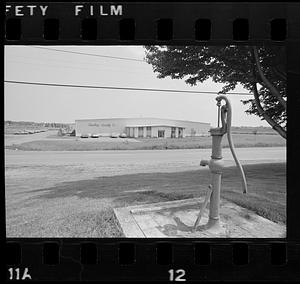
(216, 166)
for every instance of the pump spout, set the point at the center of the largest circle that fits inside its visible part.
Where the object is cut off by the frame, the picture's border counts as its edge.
(204, 163)
(226, 115)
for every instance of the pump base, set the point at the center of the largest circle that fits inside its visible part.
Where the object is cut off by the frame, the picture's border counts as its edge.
(176, 219)
(213, 227)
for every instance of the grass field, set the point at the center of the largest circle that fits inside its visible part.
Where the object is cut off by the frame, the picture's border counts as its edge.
(93, 144)
(84, 208)
(250, 130)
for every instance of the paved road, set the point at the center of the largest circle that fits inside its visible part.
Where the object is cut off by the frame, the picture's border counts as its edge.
(47, 168)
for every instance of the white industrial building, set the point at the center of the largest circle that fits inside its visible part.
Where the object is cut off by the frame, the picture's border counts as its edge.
(141, 127)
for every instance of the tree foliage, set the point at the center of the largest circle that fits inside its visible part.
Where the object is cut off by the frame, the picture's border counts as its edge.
(261, 70)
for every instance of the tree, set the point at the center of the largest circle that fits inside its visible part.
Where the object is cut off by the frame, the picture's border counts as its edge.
(261, 70)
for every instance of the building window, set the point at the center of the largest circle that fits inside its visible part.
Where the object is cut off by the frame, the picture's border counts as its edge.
(127, 130)
(161, 134)
(132, 131)
(141, 132)
(173, 132)
(180, 132)
(193, 132)
(148, 131)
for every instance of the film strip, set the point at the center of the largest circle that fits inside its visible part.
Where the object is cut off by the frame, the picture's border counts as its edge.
(135, 260)
(113, 23)
(269, 256)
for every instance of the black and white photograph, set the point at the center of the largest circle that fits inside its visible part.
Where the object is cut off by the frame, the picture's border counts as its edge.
(145, 141)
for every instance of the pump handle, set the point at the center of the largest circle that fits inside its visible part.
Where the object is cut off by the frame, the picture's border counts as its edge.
(226, 115)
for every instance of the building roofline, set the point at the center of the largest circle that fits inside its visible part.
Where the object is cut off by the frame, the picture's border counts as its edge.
(120, 118)
(152, 125)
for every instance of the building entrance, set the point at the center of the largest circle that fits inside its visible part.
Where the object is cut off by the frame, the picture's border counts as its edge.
(173, 132)
(161, 134)
(141, 132)
(180, 132)
(148, 131)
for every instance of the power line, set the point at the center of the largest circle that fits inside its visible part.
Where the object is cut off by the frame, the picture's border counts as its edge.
(89, 54)
(118, 88)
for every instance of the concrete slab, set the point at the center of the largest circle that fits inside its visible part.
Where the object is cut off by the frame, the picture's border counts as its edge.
(176, 219)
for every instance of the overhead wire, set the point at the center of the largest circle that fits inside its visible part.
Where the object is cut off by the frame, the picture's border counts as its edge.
(89, 54)
(118, 88)
(110, 87)
(135, 71)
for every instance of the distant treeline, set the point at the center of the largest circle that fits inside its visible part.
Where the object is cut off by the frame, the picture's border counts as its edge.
(252, 130)
(39, 124)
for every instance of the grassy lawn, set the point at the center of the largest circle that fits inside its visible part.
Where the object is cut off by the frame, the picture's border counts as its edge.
(93, 144)
(266, 197)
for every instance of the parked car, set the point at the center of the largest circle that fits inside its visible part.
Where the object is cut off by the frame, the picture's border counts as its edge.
(123, 135)
(84, 136)
(114, 135)
(95, 135)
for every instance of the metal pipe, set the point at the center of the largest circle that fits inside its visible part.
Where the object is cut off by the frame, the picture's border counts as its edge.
(230, 142)
(216, 166)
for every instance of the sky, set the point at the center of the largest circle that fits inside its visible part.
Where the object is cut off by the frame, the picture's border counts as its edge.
(65, 105)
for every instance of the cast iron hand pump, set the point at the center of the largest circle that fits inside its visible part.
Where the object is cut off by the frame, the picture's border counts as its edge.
(216, 166)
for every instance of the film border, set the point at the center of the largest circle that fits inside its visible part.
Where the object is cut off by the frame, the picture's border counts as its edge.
(145, 33)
